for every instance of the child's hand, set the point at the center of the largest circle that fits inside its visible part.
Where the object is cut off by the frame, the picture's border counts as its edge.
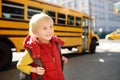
(65, 60)
(40, 70)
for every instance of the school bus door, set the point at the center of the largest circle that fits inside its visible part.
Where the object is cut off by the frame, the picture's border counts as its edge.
(85, 34)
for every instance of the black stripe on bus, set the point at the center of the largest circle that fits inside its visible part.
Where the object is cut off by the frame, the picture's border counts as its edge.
(12, 35)
(15, 20)
(70, 36)
(67, 31)
(63, 25)
(71, 46)
(13, 29)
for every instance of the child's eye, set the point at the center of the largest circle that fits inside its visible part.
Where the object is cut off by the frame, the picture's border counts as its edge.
(44, 28)
(51, 26)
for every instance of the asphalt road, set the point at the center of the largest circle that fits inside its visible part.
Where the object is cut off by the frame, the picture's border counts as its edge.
(104, 65)
(100, 66)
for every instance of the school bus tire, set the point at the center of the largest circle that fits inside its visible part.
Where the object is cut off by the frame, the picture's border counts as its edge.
(110, 38)
(93, 46)
(5, 56)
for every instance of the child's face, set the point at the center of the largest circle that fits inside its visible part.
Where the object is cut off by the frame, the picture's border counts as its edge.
(45, 31)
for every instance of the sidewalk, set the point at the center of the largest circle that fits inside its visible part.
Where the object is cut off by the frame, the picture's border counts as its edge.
(108, 46)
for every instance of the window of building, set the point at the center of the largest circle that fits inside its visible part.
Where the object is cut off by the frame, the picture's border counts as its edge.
(75, 3)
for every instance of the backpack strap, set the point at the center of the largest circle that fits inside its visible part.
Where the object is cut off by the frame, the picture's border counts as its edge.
(59, 47)
(36, 60)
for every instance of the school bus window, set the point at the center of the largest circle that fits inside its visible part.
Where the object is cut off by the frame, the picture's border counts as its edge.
(31, 11)
(51, 13)
(61, 19)
(70, 20)
(78, 21)
(12, 10)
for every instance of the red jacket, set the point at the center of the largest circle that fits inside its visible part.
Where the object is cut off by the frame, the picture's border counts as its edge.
(49, 56)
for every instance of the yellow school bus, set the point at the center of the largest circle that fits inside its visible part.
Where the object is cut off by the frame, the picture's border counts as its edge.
(71, 26)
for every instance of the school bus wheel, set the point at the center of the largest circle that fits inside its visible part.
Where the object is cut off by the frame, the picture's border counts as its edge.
(93, 46)
(5, 56)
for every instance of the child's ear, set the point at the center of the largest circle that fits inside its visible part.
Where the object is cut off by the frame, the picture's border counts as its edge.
(36, 34)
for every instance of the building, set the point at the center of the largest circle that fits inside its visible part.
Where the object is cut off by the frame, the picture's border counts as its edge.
(103, 11)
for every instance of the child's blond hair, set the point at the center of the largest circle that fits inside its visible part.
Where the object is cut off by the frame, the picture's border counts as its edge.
(35, 20)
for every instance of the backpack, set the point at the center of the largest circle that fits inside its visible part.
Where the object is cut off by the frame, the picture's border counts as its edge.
(24, 76)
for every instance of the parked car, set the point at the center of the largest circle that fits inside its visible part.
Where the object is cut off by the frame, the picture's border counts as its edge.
(113, 35)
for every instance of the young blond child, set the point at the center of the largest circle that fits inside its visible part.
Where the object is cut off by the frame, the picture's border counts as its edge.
(42, 44)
